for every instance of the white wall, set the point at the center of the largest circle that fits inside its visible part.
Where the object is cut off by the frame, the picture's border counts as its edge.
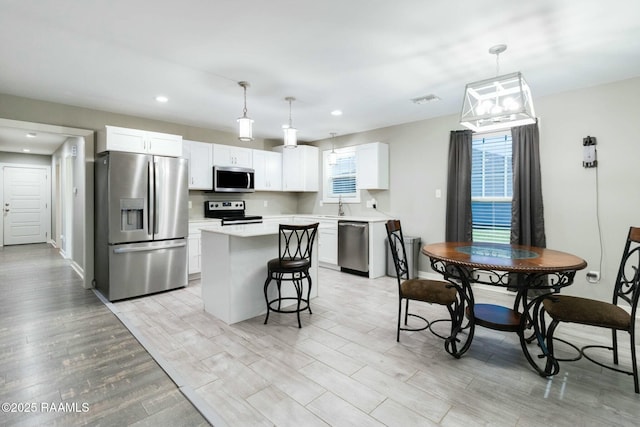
(418, 166)
(72, 171)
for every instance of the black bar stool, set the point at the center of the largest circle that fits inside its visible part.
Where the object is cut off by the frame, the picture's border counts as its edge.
(292, 265)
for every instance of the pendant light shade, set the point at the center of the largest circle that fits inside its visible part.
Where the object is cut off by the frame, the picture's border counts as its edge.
(497, 103)
(290, 138)
(245, 124)
(333, 156)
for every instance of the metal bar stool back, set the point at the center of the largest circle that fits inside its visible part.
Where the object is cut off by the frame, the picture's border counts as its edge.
(295, 247)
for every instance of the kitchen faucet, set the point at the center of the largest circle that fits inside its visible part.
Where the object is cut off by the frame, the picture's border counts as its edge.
(340, 207)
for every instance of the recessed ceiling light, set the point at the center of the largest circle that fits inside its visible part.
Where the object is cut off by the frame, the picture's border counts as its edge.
(162, 98)
(32, 135)
(26, 150)
(336, 113)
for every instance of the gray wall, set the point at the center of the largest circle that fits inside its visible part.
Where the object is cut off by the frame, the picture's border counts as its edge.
(418, 164)
(418, 155)
(25, 159)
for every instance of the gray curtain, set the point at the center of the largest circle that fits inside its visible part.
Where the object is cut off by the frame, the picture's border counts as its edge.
(527, 219)
(527, 213)
(458, 223)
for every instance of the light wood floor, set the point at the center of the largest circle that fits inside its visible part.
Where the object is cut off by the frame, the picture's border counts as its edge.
(344, 367)
(60, 344)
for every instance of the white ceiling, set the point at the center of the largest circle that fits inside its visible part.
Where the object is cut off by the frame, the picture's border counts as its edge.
(365, 57)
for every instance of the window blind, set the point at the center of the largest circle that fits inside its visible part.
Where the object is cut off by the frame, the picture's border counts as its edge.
(491, 187)
(343, 176)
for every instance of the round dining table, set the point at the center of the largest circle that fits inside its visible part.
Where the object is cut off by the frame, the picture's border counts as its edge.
(533, 273)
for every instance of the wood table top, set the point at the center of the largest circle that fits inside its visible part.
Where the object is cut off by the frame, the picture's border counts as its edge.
(503, 257)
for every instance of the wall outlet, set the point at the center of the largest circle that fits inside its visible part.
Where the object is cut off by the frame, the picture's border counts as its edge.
(266, 203)
(190, 204)
(369, 204)
(593, 276)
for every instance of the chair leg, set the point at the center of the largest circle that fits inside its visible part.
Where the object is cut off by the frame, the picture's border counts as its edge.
(549, 338)
(266, 298)
(298, 286)
(614, 344)
(634, 362)
(406, 312)
(399, 317)
(309, 294)
(279, 286)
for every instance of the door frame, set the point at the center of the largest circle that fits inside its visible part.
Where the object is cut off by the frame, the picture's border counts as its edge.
(47, 170)
(86, 271)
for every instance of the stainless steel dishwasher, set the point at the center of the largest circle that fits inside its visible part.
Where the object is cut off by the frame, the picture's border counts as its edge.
(353, 247)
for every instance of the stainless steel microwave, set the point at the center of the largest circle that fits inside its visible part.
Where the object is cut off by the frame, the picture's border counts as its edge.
(228, 179)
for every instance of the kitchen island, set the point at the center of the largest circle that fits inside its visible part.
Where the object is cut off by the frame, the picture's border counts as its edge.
(234, 269)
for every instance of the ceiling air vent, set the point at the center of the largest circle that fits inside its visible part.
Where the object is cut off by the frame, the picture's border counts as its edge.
(425, 99)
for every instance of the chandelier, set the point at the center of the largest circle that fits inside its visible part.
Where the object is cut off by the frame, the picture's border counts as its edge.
(497, 103)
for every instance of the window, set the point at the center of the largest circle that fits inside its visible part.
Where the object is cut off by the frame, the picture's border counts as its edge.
(491, 187)
(340, 179)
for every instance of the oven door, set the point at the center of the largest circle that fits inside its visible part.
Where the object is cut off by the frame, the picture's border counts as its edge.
(233, 180)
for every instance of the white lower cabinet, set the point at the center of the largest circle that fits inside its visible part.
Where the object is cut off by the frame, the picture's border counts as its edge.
(328, 244)
(195, 257)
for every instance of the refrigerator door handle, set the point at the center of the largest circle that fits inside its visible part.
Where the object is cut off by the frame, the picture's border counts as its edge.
(156, 193)
(152, 196)
(148, 248)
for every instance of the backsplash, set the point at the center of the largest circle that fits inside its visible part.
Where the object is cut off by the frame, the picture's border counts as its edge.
(276, 203)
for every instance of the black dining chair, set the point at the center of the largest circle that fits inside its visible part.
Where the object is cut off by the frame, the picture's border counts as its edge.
(425, 290)
(295, 247)
(585, 311)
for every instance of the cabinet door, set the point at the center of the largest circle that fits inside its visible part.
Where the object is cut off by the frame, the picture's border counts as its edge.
(299, 168)
(372, 166)
(260, 167)
(123, 139)
(268, 170)
(164, 144)
(227, 155)
(328, 246)
(201, 177)
(292, 169)
(273, 170)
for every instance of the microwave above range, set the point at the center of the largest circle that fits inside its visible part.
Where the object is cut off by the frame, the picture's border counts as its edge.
(229, 179)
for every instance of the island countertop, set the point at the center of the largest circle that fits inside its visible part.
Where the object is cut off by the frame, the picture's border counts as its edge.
(246, 230)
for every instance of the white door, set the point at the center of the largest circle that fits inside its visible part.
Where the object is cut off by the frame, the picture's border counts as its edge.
(25, 206)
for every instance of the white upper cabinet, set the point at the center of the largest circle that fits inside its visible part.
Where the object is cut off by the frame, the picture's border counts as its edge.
(228, 155)
(268, 170)
(372, 166)
(200, 156)
(139, 141)
(299, 168)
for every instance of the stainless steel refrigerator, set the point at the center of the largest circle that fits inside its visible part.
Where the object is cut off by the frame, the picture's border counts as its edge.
(141, 224)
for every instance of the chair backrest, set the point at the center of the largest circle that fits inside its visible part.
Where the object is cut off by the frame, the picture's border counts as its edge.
(398, 251)
(627, 285)
(296, 241)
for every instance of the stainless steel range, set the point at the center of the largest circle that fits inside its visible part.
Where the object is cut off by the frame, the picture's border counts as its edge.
(230, 212)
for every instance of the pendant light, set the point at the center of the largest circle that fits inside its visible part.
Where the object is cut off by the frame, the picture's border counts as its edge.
(245, 124)
(333, 156)
(498, 103)
(290, 139)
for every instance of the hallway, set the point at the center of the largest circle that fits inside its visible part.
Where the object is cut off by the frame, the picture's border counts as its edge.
(60, 345)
